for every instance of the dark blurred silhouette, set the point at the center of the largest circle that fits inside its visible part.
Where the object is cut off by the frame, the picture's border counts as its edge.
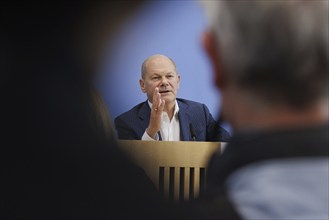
(270, 62)
(58, 156)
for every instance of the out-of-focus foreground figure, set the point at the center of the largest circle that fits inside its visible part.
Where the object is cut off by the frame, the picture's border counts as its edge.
(270, 62)
(58, 157)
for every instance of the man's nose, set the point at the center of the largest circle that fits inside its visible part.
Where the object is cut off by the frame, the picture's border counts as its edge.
(164, 81)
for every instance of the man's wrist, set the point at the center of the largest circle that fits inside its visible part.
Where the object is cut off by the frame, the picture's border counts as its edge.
(151, 133)
(147, 137)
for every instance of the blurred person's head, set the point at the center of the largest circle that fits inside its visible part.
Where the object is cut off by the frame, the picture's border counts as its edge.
(49, 61)
(56, 157)
(270, 58)
(37, 34)
(50, 56)
(160, 71)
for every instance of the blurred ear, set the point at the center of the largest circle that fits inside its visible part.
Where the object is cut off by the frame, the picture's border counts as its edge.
(211, 47)
(142, 85)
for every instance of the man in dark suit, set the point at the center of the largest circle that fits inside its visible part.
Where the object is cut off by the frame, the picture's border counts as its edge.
(163, 116)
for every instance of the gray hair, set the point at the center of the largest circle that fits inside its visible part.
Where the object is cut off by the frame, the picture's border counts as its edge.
(144, 68)
(274, 50)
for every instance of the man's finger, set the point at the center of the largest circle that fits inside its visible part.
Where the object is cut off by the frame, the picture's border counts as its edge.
(162, 104)
(156, 97)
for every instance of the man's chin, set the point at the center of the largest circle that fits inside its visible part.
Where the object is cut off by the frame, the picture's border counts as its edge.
(167, 96)
(169, 99)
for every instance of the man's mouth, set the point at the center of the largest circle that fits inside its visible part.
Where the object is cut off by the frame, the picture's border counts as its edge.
(164, 91)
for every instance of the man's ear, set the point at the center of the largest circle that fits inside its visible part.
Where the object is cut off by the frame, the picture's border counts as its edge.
(142, 85)
(211, 47)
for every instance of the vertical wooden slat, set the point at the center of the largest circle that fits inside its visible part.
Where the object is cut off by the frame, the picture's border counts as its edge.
(154, 174)
(186, 183)
(181, 183)
(191, 182)
(176, 183)
(166, 182)
(202, 179)
(161, 181)
(171, 183)
(196, 181)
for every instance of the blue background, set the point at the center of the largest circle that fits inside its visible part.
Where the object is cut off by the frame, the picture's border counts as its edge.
(172, 28)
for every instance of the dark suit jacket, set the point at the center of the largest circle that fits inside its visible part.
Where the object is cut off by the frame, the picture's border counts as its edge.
(132, 124)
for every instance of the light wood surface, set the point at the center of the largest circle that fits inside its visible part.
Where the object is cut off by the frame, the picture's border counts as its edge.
(177, 168)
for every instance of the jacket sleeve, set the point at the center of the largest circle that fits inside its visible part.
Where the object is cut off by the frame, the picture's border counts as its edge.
(124, 130)
(214, 131)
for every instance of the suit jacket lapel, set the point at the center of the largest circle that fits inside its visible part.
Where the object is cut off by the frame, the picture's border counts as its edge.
(184, 121)
(144, 115)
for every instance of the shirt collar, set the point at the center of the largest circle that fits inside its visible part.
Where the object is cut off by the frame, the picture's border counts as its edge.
(176, 107)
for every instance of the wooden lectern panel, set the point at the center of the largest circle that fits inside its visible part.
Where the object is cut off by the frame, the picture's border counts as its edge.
(177, 168)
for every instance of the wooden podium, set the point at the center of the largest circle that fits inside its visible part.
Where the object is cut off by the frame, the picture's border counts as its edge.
(178, 169)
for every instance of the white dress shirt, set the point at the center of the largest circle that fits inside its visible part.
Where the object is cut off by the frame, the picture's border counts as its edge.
(169, 130)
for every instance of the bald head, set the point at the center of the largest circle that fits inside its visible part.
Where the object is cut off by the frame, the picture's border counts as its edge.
(155, 59)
